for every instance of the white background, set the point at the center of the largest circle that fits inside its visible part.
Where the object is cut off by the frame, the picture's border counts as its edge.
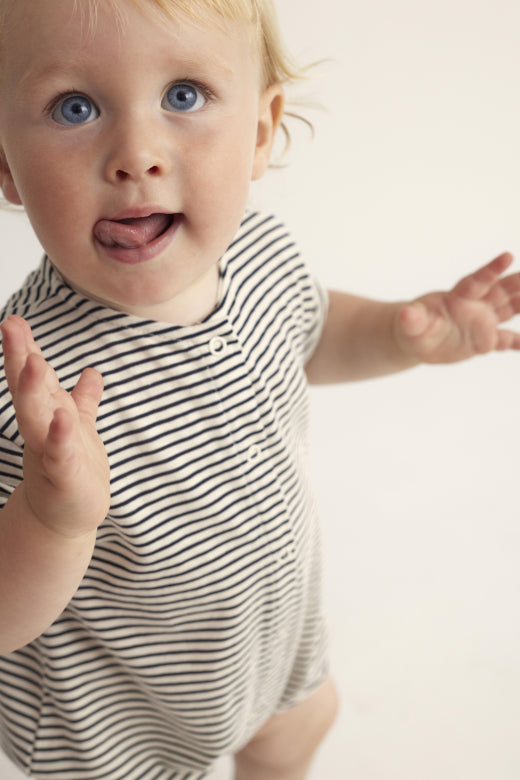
(411, 182)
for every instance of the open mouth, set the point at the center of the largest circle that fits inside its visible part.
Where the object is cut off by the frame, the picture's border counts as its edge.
(134, 232)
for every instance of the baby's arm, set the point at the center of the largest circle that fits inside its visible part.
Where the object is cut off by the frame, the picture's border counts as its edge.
(364, 338)
(48, 526)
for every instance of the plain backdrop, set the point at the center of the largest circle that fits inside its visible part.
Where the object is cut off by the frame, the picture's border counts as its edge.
(412, 181)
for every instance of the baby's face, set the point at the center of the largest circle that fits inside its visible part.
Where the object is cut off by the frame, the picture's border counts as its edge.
(132, 146)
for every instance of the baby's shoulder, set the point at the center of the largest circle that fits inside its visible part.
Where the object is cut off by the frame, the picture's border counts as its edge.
(263, 241)
(29, 296)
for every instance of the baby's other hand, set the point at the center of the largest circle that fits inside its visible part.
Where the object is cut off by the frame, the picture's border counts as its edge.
(66, 471)
(446, 327)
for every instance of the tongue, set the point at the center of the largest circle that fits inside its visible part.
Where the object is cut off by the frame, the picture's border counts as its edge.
(131, 233)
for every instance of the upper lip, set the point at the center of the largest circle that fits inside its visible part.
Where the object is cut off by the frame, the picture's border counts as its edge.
(138, 212)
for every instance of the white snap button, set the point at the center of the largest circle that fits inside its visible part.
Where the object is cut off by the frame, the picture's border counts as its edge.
(253, 453)
(218, 346)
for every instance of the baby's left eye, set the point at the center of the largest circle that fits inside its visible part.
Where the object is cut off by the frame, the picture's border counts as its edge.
(184, 98)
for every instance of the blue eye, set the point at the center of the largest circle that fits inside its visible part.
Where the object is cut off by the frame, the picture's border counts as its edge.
(184, 98)
(75, 110)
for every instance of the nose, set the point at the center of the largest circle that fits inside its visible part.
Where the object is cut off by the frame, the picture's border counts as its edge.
(136, 151)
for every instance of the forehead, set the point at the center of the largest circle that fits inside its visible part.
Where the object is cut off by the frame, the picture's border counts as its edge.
(88, 14)
(58, 30)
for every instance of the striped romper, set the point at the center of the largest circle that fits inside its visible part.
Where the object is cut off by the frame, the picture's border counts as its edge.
(200, 614)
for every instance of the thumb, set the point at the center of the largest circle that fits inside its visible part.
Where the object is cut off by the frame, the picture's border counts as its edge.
(414, 320)
(88, 392)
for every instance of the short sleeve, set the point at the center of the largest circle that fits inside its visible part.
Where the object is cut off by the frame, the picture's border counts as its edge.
(315, 307)
(11, 468)
(11, 443)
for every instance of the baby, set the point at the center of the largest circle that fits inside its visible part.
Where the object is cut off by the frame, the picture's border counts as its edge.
(160, 567)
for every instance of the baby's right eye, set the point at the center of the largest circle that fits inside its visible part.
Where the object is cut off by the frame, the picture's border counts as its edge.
(74, 110)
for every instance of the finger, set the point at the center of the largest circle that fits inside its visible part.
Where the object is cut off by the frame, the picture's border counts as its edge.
(17, 343)
(58, 448)
(33, 401)
(478, 284)
(15, 353)
(88, 392)
(508, 339)
(414, 320)
(506, 311)
(59, 452)
(503, 294)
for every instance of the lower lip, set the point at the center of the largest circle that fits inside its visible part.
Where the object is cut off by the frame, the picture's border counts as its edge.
(144, 253)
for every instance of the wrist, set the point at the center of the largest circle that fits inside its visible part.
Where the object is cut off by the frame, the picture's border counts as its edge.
(401, 329)
(23, 510)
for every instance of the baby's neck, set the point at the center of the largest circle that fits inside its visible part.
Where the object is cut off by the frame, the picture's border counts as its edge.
(188, 308)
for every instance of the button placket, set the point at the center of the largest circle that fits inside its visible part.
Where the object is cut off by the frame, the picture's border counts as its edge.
(254, 453)
(253, 450)
(218, 346)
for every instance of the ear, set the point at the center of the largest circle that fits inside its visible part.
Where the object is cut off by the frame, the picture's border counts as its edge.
(272, 103)
(7, 182)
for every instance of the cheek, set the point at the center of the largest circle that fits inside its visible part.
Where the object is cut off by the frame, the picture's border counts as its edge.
(229, 151)
(57, 217)
(217, 174)
(48, 191)
(43, 171)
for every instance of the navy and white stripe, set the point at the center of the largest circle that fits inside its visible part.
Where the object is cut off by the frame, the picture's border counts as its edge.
(200, 613)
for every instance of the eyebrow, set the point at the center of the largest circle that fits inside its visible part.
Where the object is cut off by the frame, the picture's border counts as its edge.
(36, 75)
(57, 68)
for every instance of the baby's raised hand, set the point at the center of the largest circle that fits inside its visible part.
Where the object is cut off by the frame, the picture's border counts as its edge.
(66, 471)
(451, 326)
